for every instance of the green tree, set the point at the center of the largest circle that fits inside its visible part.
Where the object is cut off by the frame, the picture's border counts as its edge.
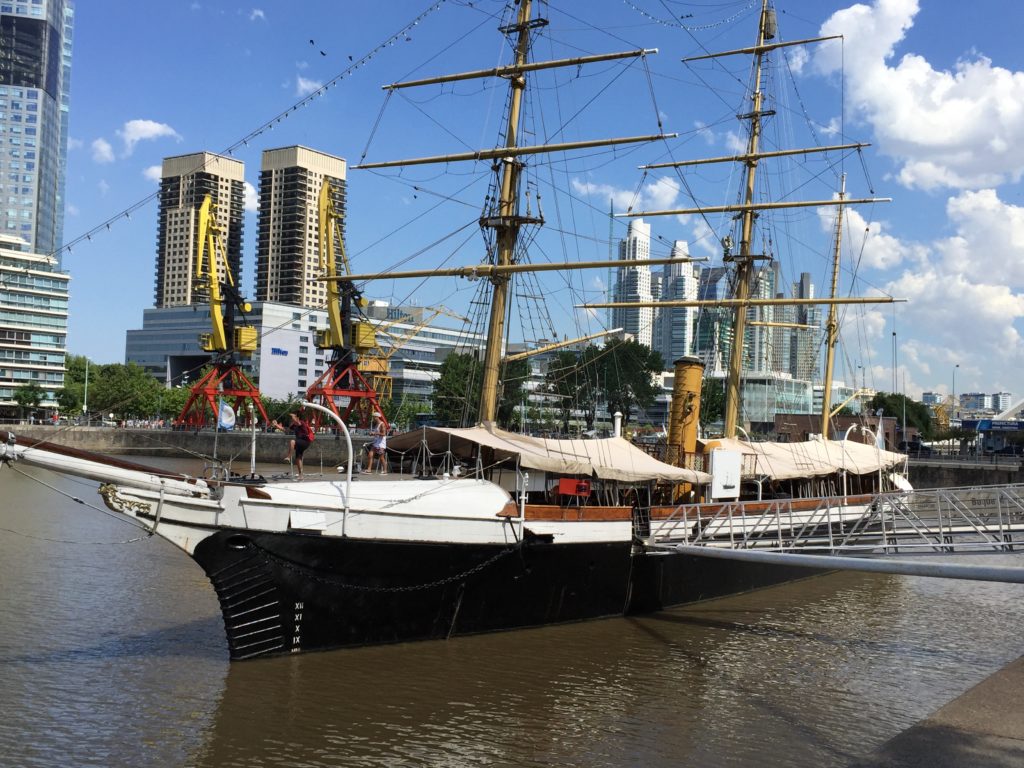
(918, 415)
(562, 379)
(457, 391)
(712, 401)
(512, 391)
(71, 396)
(124, 390)
(626, 376)
(28, 397)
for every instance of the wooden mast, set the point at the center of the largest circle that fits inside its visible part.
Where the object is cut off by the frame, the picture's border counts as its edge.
(747, 211)
(505, 220)
(507, 228)
(744, 258)
(831, 325)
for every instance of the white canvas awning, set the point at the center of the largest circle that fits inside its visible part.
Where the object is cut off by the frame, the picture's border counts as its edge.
(812, 458)
(610, 458)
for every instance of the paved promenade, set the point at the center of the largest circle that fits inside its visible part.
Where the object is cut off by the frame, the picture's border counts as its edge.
(983, 728)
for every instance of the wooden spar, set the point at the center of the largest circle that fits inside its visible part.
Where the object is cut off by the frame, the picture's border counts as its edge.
(749, 207)
(831, 325)
(492, 270)
(741, 302)
(558, 345)
(514, 151)
(515, 69)
(762, 48)
(748, 158)
(773, 324)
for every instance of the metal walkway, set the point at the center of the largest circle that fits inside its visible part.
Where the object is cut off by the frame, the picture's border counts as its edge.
(859, 534)
(984, 518)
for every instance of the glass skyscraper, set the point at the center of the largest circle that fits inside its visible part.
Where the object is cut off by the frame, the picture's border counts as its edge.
(35, 79)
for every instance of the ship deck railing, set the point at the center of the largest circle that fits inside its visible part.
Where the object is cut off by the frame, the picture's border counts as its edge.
(967, 519)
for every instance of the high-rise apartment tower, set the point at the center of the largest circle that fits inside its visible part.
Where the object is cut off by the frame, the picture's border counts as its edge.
(184, 181)
(287, 256)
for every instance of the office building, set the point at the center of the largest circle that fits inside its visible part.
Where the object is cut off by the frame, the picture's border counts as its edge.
(714, 324)
(287, 256)
(35, 81)
(634, 284)
(33, 324)
(185, 181)
(675, 326)
(288, 361)
(796, 345)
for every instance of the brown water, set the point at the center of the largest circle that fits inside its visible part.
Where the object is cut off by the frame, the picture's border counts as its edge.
(112, 654)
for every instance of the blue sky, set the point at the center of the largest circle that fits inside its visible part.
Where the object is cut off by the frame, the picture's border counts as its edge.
(937, 88)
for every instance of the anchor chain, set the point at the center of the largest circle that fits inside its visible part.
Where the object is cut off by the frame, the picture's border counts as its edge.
(326, 580)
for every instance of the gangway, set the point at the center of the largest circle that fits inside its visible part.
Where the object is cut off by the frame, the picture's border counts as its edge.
(855, 533)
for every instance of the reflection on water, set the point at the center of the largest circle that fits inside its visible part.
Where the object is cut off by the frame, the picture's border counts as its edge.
(114, 655)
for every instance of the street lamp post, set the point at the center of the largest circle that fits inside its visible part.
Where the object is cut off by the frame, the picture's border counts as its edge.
(956, 408)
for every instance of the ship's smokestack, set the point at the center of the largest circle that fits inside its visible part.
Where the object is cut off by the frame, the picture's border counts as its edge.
(684, 415)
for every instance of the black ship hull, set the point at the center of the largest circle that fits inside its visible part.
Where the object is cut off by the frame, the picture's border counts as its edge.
(288, 593)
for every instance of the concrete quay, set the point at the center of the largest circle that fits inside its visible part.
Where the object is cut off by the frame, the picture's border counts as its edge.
(983, 728)
(327, 449)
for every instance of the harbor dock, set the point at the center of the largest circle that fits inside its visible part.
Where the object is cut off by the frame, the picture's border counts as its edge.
(982, 728)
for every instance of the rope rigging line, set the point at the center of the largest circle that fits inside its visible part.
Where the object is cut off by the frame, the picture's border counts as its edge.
(84, 503)
(266, 126)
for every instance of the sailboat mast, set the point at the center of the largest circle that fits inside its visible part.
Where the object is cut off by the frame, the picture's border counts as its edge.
(744, 259)
(507, 226)
(832, 325)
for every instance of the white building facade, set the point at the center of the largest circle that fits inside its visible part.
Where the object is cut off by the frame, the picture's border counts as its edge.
(33, 324)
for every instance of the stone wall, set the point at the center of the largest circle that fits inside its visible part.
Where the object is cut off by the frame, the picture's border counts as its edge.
(328, 449)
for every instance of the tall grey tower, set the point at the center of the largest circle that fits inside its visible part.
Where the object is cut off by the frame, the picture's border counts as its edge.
(287, 256)
(35, 82)
(674, 327)
(634, 284)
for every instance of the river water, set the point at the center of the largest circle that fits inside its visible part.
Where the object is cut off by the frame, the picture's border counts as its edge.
(112, 653)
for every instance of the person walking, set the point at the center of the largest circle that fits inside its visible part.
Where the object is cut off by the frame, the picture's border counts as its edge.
(378, 446)
(303, 436)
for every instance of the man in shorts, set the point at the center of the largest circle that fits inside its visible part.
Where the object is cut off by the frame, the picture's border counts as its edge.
(298, 445)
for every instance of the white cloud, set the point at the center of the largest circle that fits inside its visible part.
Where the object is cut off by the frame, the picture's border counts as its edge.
(135, 131)
(257, 14)
(74, 143)
(152, 172)
(873, 247)
(735, 143)
(704, 132)
(305, 86)
(102, 152)
(956, 128)
(103, 187)
(660, 193)
(72, 210)
(251, 201)
(989, 237)
(965, 293)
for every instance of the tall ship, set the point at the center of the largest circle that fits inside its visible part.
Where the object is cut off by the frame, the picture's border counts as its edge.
(484, 529)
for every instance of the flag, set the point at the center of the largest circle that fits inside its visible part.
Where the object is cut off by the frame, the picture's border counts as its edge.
(225, 416)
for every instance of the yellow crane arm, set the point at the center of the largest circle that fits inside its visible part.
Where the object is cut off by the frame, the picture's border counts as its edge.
(334, 336)
(206, 268)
